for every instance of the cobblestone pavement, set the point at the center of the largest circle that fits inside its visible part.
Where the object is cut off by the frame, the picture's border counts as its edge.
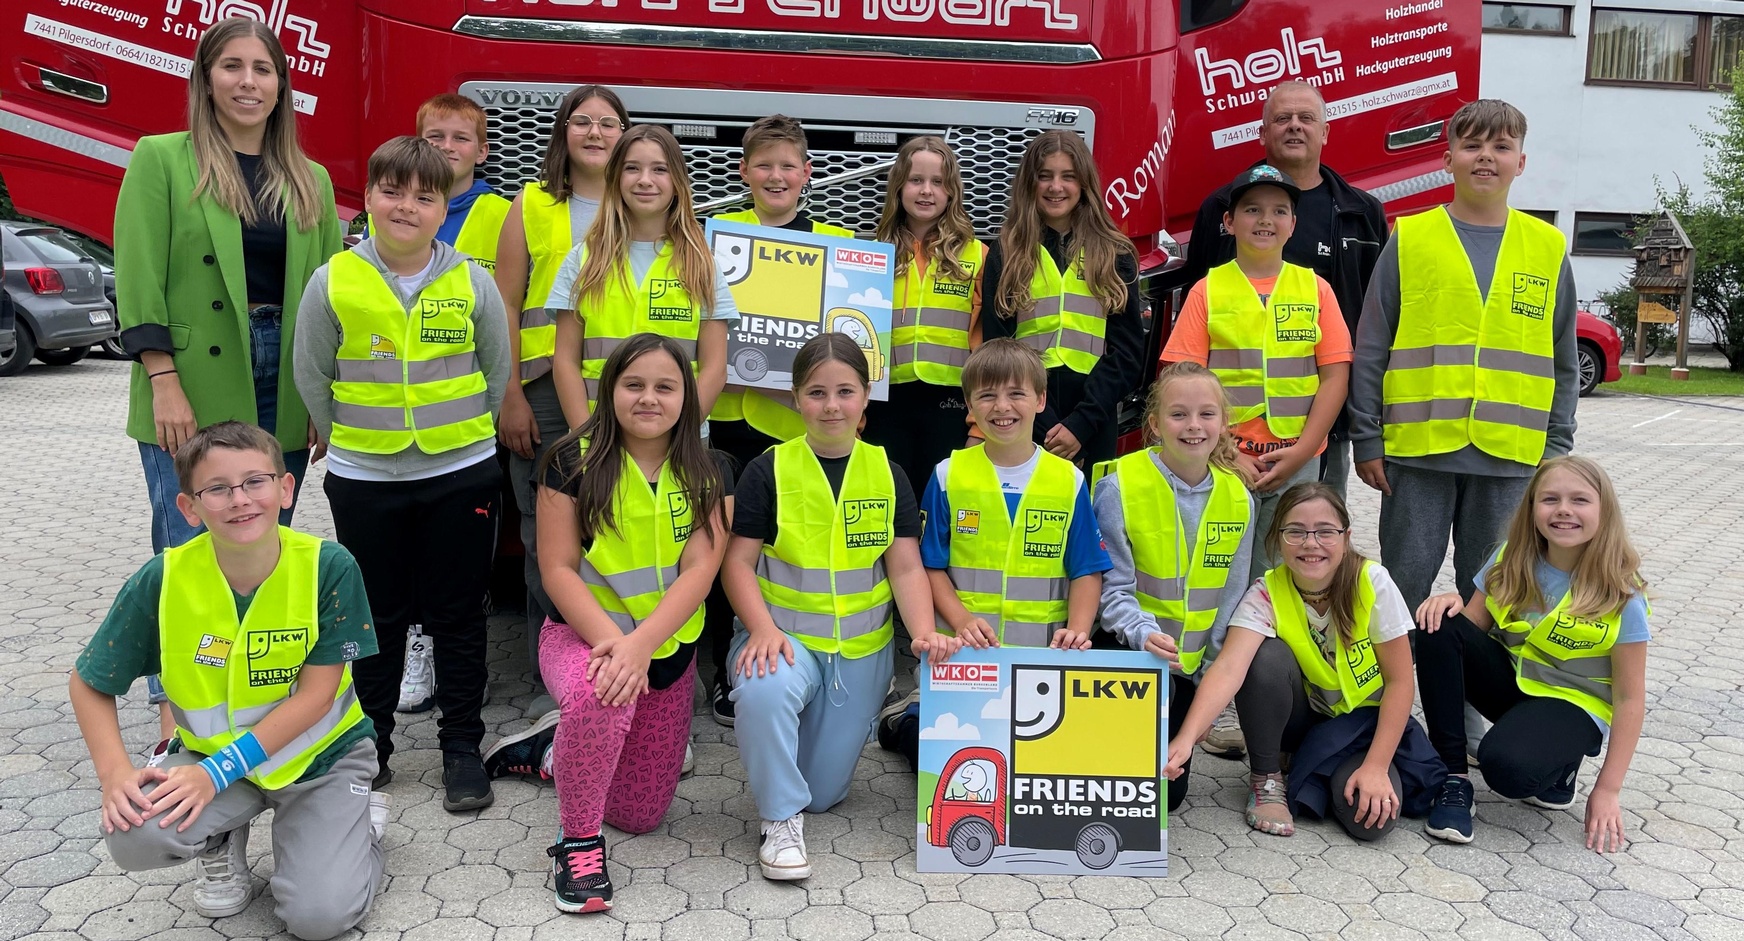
(73, 512)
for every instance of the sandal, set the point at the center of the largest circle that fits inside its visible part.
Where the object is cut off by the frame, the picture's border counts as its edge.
(1267, 810)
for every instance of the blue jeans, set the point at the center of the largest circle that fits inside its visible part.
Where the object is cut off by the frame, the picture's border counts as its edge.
(168, 527)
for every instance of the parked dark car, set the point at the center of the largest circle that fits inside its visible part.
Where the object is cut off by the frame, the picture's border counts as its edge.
(110, 348)
(8, 334)
(56, 289)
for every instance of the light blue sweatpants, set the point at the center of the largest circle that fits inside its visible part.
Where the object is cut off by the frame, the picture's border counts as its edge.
(801, 728)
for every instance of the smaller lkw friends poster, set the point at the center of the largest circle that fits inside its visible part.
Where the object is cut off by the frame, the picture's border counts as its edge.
(789, 287)
(1044, 761)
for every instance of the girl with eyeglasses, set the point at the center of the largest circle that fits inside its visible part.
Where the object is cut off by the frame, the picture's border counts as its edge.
(1319, 664)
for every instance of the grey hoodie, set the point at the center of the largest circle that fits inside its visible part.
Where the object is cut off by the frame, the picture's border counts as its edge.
(1121, 614)
(317, 344)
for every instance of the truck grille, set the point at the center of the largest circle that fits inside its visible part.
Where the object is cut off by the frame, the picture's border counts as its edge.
(710, 124)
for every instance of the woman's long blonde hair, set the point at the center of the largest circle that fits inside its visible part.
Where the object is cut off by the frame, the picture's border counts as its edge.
(1223, 452)
(289, 193)
(607, 243)
(953, 231)
(1609, 570)
(1093, 232)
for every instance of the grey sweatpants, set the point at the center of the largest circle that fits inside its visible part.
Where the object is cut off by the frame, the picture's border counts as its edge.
(328, 863)
(541, 395)
(1426, 506)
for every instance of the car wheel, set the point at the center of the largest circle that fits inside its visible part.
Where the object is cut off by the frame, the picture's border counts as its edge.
(13, 363)
(1098, 845)
(972, 841)
(1592, 367)
(66, 357)
(111, 349)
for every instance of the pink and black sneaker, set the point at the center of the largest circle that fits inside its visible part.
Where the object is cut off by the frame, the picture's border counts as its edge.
(582, 883)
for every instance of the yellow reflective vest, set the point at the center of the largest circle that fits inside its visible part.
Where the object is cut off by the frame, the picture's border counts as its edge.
(659, 305)
(479, 233)
(1263, 353)
(632, 564)
(930, 320)
(843, 605)
(1178, 588)
(771, 411)
(223, 677)
(1560, 656)
(405, 377)
(546, 224)
(1470, 369)
(1066, 324)
(1012, 576)
(1352, 678)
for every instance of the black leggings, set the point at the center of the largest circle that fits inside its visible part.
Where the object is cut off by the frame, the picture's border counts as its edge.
(1536, 741)
(1275, 717)
(918, 427)
(1181, 692)
(742, 443)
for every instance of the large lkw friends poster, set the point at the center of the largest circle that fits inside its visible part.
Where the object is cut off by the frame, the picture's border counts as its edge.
(1043, 761)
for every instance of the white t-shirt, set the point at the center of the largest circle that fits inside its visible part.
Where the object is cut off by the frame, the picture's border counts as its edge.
(1390, 620)
(1011, 479)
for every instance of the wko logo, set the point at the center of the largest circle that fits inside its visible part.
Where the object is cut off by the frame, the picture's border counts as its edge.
(1266, 65)
(966, 677)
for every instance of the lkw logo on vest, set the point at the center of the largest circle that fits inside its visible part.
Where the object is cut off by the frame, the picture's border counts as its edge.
(275, 645)
(678, 504)
(969, 522)
(451, 309)
(213, 651)
(1355, 654)
(1296, 323)
(1531, 295)
(1221, 537)
(954, 288)
(866, 523)
(659, 288)
(1572, 633)
(1044, 533)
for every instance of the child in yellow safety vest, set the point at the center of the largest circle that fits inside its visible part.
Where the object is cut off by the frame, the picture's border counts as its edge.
(402, 357)
(1319, 660)
(1011, 546)
(254, 628)
(1178, 523)
(1564, 601)
(825, 551)
(1465, 379)
(633, 511)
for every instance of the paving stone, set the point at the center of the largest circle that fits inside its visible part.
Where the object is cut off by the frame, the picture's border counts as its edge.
(884, 895)
(951, 921)
(707, 926)
(830, 923)
(999, 893)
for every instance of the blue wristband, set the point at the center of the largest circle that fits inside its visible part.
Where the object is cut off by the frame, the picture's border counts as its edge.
(233, 761)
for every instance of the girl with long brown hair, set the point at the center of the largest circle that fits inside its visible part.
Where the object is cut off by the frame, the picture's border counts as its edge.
(1564, 601)
(1065, 283)
(1321, 668)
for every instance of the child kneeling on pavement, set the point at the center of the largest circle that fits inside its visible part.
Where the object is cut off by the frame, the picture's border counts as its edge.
(253, 627)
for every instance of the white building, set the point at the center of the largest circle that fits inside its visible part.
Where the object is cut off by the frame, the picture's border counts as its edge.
(1612, 91)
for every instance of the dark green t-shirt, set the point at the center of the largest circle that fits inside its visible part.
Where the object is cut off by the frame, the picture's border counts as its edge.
(125, 646)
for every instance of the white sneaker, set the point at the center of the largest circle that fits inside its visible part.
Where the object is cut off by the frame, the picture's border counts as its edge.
(689, 760)
(159, 752)
(1475, 728)
(378, 814)
(222, 883)
(418, 685)
(1225, 738)
(783, 852)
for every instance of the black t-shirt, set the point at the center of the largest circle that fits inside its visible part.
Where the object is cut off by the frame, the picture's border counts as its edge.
(1311, 245)
(754, 505)
(263, 244)
(665, 671)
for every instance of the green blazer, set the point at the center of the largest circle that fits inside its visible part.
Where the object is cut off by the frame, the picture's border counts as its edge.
(179, 273)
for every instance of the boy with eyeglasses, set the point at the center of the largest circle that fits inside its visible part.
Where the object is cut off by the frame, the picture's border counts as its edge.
(253, 627)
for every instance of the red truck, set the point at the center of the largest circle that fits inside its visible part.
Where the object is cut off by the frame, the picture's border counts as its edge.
(1168, 92)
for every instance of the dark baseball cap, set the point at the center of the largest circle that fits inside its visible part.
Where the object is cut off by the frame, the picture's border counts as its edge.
(1263, 175)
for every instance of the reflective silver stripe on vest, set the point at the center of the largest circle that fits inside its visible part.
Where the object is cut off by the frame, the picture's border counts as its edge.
(1235, 359)
(824, 625)
(1550, 676)
(629, 583)
(1040, 342)
(817, 581)
(592, 385)
(1425, 357)
(977, 581)
(370, 417)
(1526, 364)
(1245, 396)
(602, 347)
(1081, 304)
(1027, 634)
(533, 318)
(384, 371)
(1292, 367)
(534, 368)
(1329, 699)
(322, 728)
(1169, 589)
(455, 366)
(1509, 413)
(1035, 588)
(1592, 668)
(944, 318)
(1071, 339)
(1289, 406)
(929, 353)
(451, 412)
(215, 721)
(1405, 413)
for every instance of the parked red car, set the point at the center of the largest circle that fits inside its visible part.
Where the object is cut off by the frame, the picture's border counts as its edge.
(1601, 350)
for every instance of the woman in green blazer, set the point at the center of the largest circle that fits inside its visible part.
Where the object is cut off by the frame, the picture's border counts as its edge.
(217, 230)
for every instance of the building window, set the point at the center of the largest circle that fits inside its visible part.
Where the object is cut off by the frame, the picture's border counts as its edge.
(1677, 50)
(1604, 233)
(1536, 18)
(1547, 215)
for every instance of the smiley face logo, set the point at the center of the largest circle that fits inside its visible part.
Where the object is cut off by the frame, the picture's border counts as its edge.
(1038, 701)
(733, 256)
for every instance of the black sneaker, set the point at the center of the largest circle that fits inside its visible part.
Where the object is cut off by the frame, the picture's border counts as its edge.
(891, 716)
(579, 867)
(1558, 796)
(721, 704)
(383, 777)
(467, 786)
(1450, 816)
(523, 752)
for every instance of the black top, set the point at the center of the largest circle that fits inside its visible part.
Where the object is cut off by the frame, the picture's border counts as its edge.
(1310, 246)
(263, 244)
(1088, 405)
(754, 511)
(664, 672)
